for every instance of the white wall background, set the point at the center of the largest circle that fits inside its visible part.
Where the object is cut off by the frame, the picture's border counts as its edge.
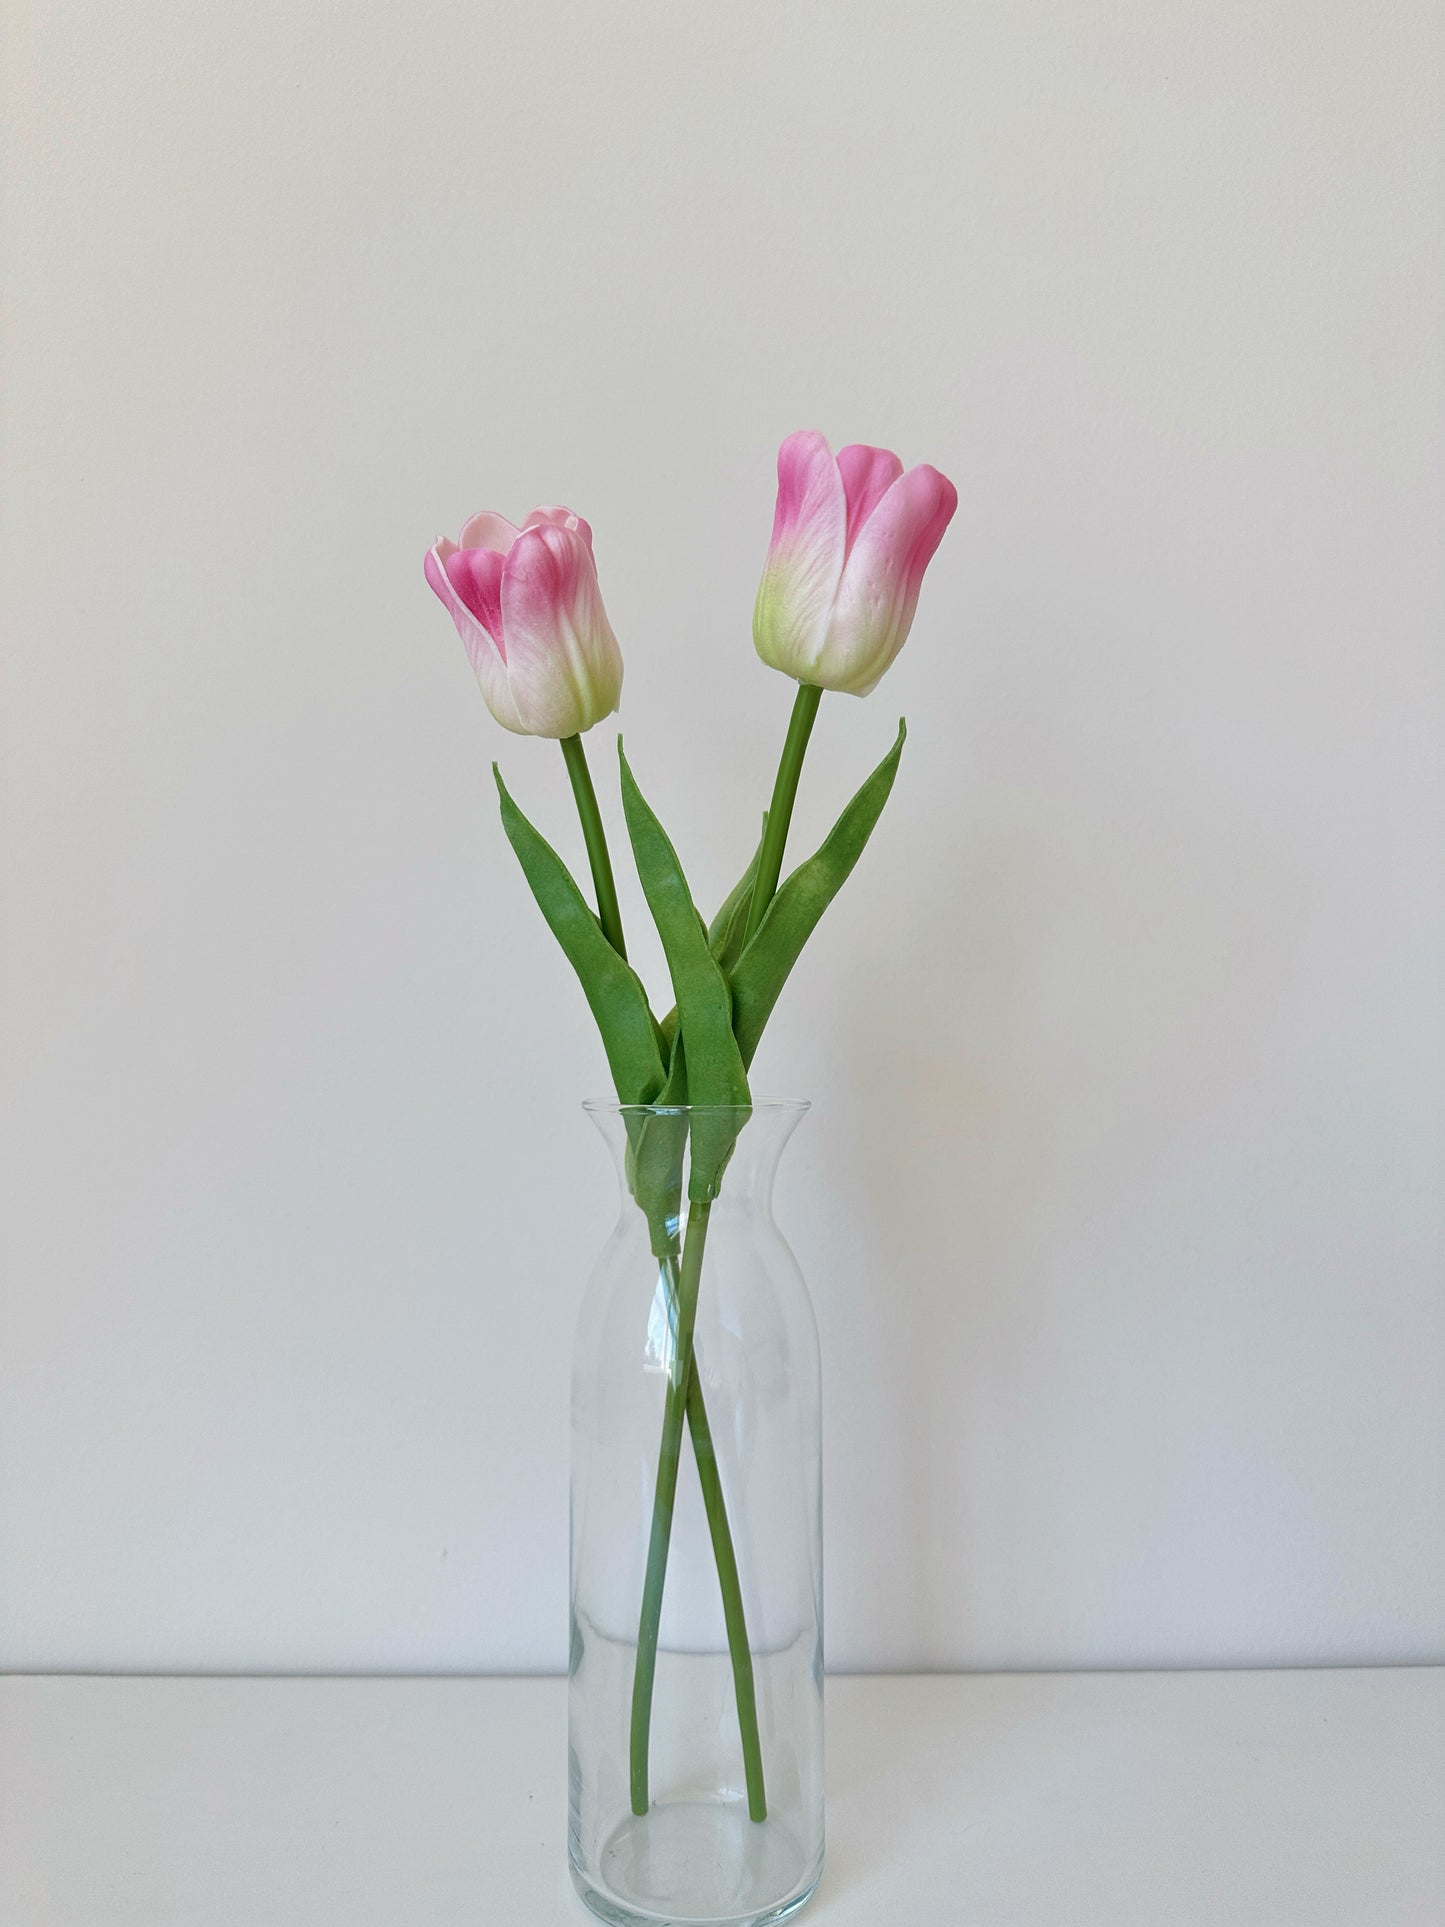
(1122, 1196)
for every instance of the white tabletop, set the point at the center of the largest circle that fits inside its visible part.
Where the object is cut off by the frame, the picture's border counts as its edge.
(1048, 1800)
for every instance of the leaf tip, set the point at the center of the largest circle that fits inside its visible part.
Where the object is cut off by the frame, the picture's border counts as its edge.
(629, 781)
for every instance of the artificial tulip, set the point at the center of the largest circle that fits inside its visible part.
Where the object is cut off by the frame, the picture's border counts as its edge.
(852, 536)
(529, 612)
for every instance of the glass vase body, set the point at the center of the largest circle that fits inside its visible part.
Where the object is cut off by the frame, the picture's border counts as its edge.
(696, 1790)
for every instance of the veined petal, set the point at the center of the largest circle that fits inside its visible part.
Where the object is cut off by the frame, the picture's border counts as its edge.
(878, 594)
(488, 531)
(563, 663)
(805, 558)
(482, 652)
(868, 474)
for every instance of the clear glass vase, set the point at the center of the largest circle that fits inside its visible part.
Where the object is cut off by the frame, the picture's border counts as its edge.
(696, 1676)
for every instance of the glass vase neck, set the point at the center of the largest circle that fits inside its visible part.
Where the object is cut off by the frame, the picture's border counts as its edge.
(762, 1132)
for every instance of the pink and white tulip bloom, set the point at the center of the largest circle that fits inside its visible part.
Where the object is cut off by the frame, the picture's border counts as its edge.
(852, 536)
(529, 612)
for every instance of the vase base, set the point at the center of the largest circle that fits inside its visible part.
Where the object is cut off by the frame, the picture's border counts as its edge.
(700, 1863)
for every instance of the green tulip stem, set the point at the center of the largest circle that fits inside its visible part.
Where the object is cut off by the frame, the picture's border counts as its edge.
(684, 1400)
(734, 1618)
(780, 813)
(725, 1558)
(684, 1395)
(608, 914)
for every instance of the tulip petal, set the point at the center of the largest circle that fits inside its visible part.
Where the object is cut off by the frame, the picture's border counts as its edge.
(488, 531)
(868, 474)
(476, 575)
(563, 663)
(560, 518)
(805, 558)
(482, 652)
(878, 594)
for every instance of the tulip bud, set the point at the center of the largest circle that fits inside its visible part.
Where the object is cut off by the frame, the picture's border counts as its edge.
(851, 540)
(529, 612)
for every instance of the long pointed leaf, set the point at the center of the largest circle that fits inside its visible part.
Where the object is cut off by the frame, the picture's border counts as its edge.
(792, 916)
(612, 987)
(726, 931)
(725, 936)
(656, 1140)
(715, 1073)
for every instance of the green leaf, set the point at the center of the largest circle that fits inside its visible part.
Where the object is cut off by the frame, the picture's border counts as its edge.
(656, 1140)
(793, 914)
(725, 938)
(715, 1073)
(612, 987)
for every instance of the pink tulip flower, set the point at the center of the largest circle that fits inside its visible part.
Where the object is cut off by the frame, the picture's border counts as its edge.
(852, 537)
(529, 612)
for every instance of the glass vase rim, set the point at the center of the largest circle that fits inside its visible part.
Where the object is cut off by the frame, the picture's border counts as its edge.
(613, 1106)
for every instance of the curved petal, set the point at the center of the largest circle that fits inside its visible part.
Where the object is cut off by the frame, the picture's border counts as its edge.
(488, 531)
(868, 474)
(440, 583)
(560, 518)
(482, 652)
(805, 557)
(879, 591)
(563, 663)
(476, 575)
